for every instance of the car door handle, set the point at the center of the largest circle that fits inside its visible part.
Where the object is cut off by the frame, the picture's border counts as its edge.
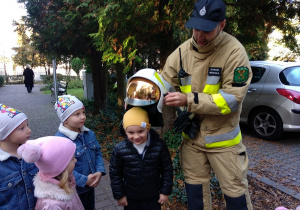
(251, 90)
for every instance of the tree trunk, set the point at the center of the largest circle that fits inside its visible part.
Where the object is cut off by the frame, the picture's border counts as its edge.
(166, 48)
(99, 80)
(121, 85)
(49, 69)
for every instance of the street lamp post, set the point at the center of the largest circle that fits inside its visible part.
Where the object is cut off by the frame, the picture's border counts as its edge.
(54, 78)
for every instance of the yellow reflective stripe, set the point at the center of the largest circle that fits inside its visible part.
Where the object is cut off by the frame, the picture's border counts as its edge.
(221, 103)
(159, 79)
(211, 89)
(186, 89)
(227, 143)
(185, 135)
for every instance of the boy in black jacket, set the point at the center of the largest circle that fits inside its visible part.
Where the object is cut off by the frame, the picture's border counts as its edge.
(140, 168)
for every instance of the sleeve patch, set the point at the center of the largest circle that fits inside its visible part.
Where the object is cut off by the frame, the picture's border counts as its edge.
(241, 75)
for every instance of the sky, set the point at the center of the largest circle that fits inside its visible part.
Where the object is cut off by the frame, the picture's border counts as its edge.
(9, 10)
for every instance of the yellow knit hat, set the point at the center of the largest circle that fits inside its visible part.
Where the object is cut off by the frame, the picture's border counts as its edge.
(136, 116)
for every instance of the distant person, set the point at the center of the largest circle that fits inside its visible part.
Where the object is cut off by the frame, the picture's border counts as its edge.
(140, 168)
(90, 166)
(16, 176)
(29, 77)
(55, 183)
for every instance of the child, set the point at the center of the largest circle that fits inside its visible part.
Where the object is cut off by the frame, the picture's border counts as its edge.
(55, 183)
(16, 187)
(90, 166)
(140, 169)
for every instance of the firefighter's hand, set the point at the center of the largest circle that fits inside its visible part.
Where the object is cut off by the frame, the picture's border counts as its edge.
(175, 99)
(186, 122)
(182, 119)
(191, 128)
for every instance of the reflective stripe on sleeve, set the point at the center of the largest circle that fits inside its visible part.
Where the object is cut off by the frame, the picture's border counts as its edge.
(230, 100)
(221, 103)
(186, 89)
(226, 102)
(211, 89)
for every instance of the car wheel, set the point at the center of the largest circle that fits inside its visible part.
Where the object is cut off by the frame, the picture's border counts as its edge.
(266, 124)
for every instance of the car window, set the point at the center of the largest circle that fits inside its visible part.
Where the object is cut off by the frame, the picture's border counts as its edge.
(290, 76)
(257, 72)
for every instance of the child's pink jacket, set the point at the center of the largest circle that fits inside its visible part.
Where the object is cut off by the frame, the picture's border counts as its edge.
(50, 196)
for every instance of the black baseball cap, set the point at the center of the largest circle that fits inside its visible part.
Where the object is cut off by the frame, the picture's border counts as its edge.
(207, 14)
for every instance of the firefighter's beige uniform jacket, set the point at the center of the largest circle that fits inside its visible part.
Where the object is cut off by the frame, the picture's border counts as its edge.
(216, 89)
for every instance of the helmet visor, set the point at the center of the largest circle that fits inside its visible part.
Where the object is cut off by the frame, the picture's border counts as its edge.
(142, 92)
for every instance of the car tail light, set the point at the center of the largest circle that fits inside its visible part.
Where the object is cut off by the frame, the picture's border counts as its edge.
(290, 94)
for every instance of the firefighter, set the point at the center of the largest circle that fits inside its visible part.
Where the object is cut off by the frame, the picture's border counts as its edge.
(211, 73)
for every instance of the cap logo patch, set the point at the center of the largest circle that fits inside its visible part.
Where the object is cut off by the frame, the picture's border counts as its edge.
(64, 103)
(144, 125)
(10, 111)
(202, 11)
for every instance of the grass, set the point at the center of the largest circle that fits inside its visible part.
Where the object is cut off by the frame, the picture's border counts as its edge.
(78, 92)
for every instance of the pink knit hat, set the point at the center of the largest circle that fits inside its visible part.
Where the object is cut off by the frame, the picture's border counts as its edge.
(51, 154)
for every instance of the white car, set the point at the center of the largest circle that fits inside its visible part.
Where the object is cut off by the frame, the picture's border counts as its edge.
(272, 103)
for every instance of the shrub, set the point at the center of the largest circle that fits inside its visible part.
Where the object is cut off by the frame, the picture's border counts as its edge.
(76, 64)
(48, 79)
(106, 127)
(75, 83)
(173, 141)
(1, 81)
(46, 87)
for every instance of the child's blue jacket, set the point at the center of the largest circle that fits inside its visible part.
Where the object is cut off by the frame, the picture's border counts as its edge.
(16, 185)
(88, 155)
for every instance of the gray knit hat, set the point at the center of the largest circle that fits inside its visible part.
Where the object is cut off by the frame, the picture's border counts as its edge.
(67, 105)
(10, 119)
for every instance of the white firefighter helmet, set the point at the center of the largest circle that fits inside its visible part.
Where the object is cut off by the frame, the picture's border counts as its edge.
(147, 87)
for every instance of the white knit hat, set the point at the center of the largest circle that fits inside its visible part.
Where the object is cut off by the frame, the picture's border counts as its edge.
(67, 105)
(10, 119)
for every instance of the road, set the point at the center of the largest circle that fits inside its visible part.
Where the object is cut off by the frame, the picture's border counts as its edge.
(278, 161)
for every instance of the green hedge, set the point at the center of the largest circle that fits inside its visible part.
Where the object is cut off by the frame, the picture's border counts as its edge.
(75, 83)
(48, 79)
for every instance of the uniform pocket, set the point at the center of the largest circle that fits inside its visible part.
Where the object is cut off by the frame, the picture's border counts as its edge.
(240, 162)
(214, 123)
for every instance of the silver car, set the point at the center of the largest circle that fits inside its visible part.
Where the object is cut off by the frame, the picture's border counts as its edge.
(272, 104)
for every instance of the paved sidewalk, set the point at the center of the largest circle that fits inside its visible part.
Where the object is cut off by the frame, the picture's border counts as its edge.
(43, 121)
